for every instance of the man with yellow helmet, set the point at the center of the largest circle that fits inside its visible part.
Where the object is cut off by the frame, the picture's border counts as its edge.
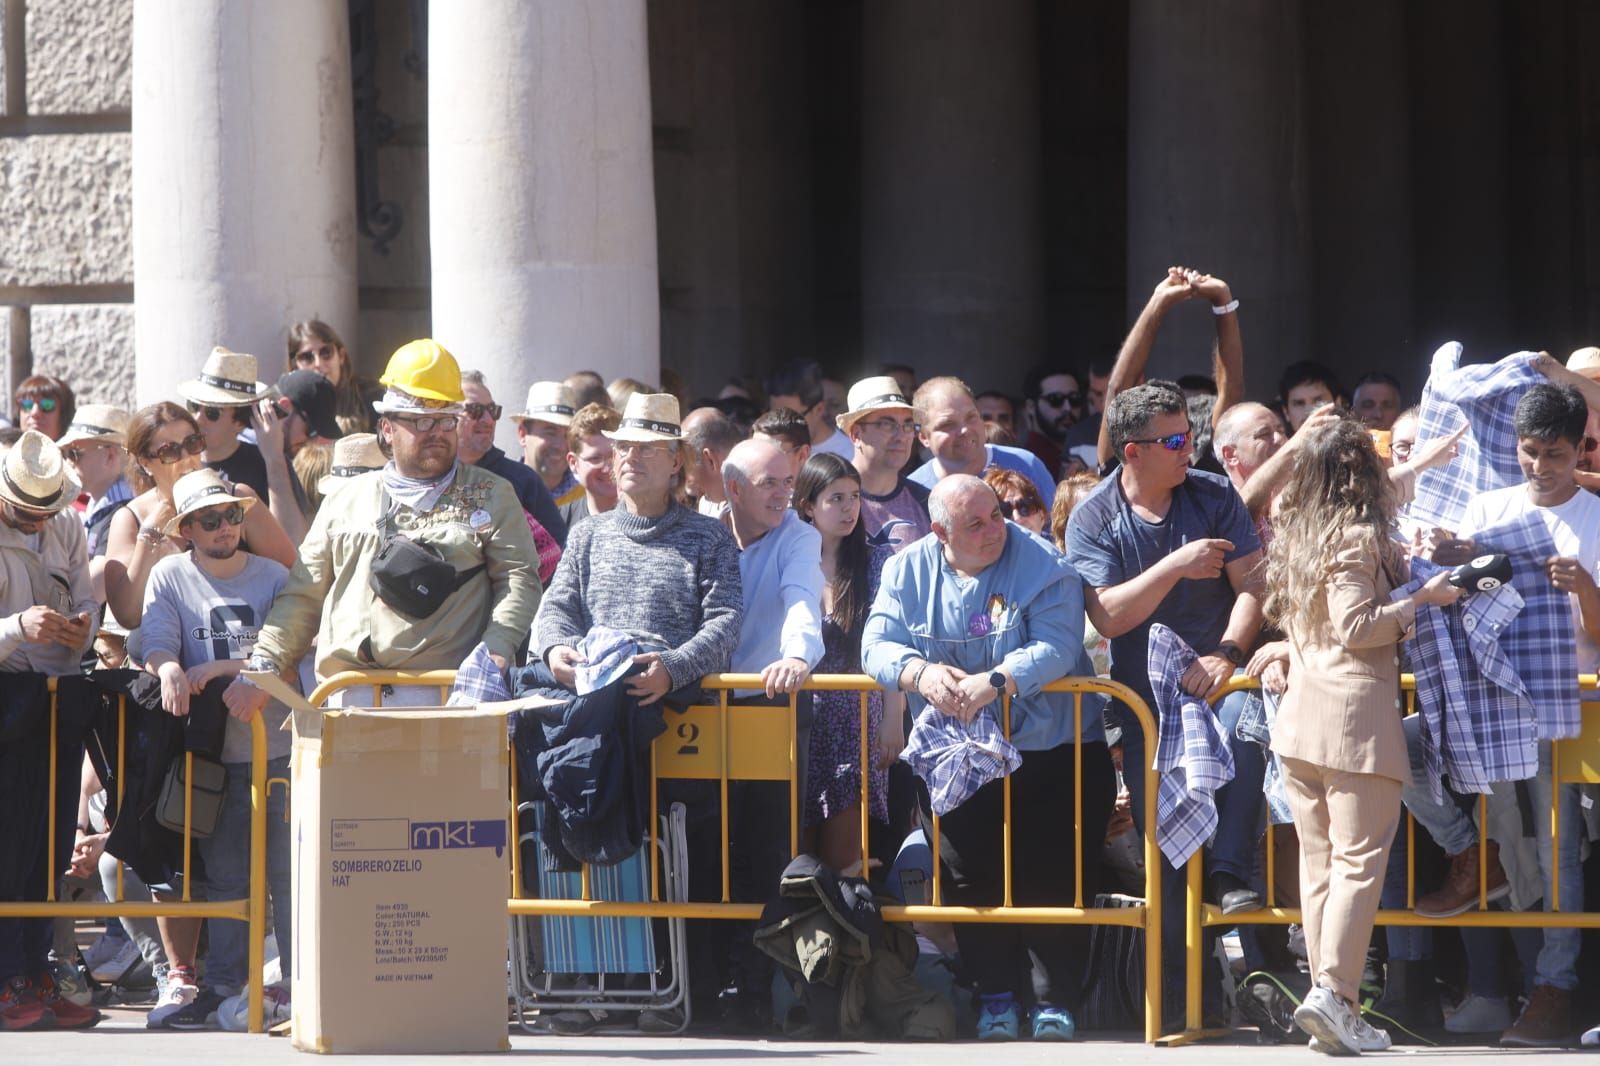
(410, 566)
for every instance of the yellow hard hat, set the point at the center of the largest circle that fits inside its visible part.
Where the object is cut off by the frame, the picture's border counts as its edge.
(425, 369)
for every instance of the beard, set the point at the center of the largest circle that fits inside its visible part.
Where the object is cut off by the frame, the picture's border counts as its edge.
(221, 554)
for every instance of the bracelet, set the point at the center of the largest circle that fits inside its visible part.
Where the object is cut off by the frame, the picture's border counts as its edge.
(86, 830)
(1226, 309)
(916, 678)
(152, 535)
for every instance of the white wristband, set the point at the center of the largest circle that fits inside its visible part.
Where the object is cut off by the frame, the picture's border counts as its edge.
(1226, 309)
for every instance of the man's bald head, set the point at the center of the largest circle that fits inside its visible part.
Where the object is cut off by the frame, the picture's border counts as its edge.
(952, 496)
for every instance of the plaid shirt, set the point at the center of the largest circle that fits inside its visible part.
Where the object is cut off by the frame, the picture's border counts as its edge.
(955, 760)
(1192, 753)
(1496, 672)
(478, 680)
(1486, 397)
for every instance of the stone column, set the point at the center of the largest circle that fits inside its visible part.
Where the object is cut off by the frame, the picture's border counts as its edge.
(1218, 176)
(243, 181)
(951, 262)
(540, 191)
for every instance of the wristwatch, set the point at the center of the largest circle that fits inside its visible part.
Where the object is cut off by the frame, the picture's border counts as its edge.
(1231, 652)
(997, 681)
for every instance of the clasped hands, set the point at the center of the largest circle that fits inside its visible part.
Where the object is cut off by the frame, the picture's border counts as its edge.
(955, 692)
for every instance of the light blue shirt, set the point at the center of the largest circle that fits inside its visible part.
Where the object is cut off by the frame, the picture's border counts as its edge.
(1021, 460)
(1025, 612)
(782, 578)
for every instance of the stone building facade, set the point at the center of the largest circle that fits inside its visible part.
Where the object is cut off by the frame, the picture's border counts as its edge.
(716, 186)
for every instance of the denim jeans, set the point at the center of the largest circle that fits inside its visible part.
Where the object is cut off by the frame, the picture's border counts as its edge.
(1444, 819)
(226, 853)
(1558, 959)
(1241, 808)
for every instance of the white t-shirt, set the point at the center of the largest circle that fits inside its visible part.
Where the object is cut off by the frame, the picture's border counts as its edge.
(1574, 527)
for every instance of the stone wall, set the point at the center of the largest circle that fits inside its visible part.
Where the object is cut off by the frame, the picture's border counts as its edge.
(66, 195)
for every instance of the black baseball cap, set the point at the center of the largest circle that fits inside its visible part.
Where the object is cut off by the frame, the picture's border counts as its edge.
(313, 396)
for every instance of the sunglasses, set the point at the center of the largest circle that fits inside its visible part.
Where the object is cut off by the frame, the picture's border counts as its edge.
(74, 453)
(425, 423)
(1174, 443)
(476, 411)
(643, 449)
(1019, 509)
(312, 355)
(211, 520)
(172, 451)
(1062, 399)
(210, 414)
(43, 403)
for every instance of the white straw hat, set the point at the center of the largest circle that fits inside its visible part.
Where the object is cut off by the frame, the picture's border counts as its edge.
(649, 416)
(872, 394)
(34, 476)
(198, 490)
(550, 401)
(227, 380)
(100, 422)
(353, 456)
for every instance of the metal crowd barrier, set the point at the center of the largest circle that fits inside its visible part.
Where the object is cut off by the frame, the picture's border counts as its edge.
(1574, 761)
(252, 910)
(726, 742)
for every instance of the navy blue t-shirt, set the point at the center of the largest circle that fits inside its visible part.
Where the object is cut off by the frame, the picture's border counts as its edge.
(1109, 544)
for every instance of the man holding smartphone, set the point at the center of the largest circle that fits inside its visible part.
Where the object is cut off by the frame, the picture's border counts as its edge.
(47, 620)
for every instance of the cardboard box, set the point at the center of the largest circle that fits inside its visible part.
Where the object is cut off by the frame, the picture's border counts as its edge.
(401, 870)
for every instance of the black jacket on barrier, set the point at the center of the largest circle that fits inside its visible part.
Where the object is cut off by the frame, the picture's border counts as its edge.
(590, 758)
(155, 739)
(25, 776)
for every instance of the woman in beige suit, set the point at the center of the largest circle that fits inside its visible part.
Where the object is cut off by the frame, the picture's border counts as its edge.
(1330, 570)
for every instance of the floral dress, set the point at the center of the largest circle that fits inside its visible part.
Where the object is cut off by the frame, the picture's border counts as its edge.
(833, 782)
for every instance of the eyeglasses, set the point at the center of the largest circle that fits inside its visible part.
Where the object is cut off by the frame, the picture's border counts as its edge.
(890, 428)
(1019, 508)
(211, 520)
(1174, 443)
(210, 414)
(1062, 399)
(643, 449)
(172, 451)
(44, 403)
(312, 355)
(1402, 448)
(476, 411)
(425, 423)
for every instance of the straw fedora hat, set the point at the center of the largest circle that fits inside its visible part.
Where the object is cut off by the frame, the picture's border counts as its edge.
(353, 456)
(227, 380)
(550, 401)
(33, 475)
(649, 416)
(869, 395)
(97, 422)
(199, 490)
(1585, 361)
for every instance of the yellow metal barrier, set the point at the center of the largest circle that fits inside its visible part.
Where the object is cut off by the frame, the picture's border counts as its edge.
(1574, 761)
(252, 910)
(730, 742)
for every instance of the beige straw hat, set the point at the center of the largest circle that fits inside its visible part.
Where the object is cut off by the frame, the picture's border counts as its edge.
(869, 395)
(97, 422)
(227, 380)
(199, 490)
(34, 476)
(550, 401)
(649, 416)
(353, 456)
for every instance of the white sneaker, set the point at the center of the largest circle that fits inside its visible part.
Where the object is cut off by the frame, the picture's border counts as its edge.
(1480, 1014)
(109, 970)
(1370, 1037)
(1330, 1023)
(233, 1014)
(174, 997)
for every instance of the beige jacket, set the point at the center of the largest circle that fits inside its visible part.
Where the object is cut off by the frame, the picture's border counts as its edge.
(1343, 706)
(477, 520)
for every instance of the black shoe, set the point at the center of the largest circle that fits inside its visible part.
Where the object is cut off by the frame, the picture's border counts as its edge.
(201, 1013)
(1232, 894)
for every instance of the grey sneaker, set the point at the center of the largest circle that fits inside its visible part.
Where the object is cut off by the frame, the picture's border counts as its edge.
(1480, 1014)
(1330, 1023)
(1370, 1037)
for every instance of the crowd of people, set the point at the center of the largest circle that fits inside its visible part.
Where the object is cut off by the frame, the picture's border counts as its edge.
(961, 549)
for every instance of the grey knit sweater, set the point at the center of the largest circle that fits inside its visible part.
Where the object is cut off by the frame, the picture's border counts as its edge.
(670, 583)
